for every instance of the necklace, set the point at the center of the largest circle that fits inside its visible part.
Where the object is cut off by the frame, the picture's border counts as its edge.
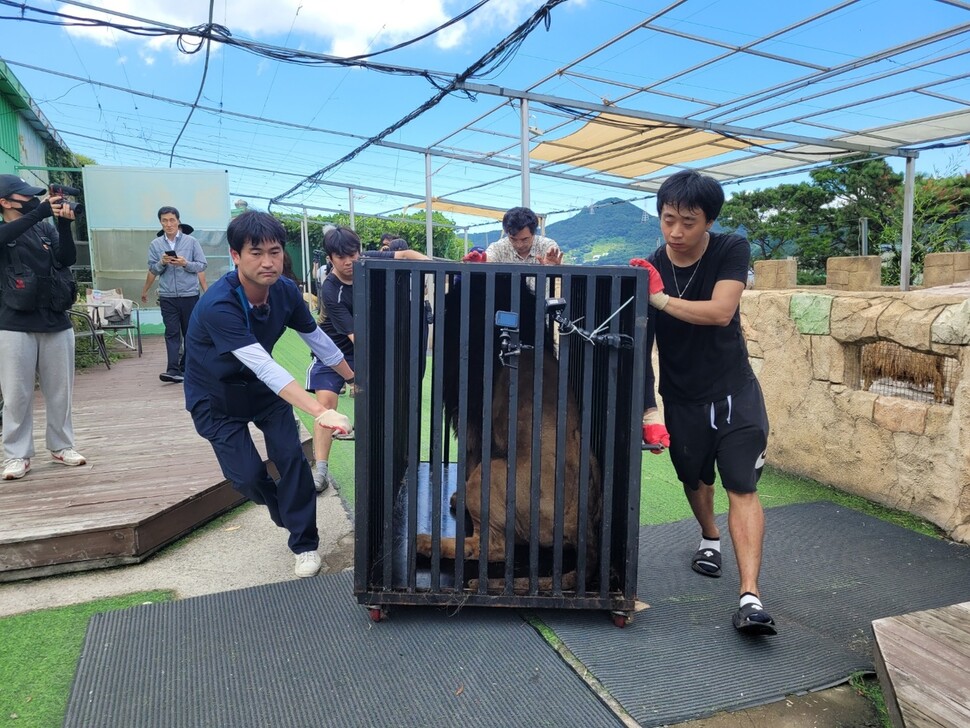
(673, 271)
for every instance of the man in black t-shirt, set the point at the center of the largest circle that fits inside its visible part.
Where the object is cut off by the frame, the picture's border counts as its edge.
(714, 410)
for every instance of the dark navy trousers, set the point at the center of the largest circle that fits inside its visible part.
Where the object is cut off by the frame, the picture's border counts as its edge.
(292, 502)
(175, 315)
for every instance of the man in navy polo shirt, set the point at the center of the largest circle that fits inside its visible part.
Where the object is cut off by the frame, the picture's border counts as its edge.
(232, 380)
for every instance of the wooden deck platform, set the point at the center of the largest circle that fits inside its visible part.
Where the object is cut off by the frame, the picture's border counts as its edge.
(149, 478)
(923, 663)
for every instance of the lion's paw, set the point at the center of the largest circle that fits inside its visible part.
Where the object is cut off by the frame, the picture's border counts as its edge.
(422, 544)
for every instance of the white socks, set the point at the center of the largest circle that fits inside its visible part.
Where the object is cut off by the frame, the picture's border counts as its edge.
(709, 543)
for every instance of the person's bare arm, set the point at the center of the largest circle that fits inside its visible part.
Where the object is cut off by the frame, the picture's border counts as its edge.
(409, 255)
(717, 312)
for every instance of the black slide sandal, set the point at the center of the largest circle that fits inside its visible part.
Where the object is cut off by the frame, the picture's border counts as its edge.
(707, 562)
(753, 619)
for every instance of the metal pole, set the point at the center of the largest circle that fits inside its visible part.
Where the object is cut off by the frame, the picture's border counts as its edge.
(305, 249)
(466, 240)
(524, 155)
(908, 198)
(428, 229)
(353, 221)
(864, 235)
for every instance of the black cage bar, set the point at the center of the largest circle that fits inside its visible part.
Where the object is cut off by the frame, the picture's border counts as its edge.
(478, 378)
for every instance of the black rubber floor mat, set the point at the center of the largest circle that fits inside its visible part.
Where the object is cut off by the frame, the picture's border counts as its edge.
(827, 573)
(303, 653)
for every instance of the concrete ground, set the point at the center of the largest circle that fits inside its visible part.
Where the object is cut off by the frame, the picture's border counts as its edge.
(246, 549)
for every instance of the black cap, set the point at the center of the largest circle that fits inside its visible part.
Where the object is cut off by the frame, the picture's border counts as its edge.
(11, 184)
(184, 227)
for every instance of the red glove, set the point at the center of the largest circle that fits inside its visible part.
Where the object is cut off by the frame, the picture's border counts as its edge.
(658, 299)
(656, 434)
(656, 283)
(474, 256)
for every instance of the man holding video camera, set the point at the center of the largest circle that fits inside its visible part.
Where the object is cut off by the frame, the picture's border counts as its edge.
(176, 259)
(36, 337)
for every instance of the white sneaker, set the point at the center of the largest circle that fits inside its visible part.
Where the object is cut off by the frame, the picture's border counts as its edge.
(307, 563)
(15, 468)
(68, 456)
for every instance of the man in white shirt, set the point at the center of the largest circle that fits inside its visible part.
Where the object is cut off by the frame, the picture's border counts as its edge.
(521, 244)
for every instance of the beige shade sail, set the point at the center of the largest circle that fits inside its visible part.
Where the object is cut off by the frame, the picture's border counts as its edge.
(632, 148)
(460, 208)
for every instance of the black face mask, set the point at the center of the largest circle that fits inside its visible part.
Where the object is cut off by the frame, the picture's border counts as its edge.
(29, 206)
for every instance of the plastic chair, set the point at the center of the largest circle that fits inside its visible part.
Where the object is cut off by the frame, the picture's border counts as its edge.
(116, 316)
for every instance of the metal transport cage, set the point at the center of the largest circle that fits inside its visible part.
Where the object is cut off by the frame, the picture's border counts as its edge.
(498, 434)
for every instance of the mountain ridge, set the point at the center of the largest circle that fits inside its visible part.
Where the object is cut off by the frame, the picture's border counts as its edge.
(609, 232)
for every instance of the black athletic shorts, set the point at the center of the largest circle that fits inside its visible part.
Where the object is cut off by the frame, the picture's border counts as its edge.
(731, 433)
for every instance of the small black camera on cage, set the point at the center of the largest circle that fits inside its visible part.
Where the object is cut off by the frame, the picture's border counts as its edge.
(507, 322)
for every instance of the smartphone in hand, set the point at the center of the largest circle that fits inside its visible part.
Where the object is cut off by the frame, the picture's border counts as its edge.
(171, 254)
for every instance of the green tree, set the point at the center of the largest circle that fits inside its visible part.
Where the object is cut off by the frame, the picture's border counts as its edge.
(941, 223)
(857, 189)
(784, 220)
(410, 228)
(818, 219)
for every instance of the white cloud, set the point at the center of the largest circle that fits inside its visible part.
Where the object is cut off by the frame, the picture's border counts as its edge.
(343, 28)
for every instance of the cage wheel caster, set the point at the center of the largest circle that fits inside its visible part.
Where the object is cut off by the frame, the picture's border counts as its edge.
(377, 614)
(620, 619)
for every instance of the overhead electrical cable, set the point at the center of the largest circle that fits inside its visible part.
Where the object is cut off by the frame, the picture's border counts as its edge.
(205, 72)
(495, 58)
(216, 33)
(179, 102)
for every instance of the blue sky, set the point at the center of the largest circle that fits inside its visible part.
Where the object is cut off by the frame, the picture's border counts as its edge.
(340, 106)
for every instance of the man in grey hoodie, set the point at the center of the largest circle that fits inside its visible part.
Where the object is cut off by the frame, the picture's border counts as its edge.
(176, 259)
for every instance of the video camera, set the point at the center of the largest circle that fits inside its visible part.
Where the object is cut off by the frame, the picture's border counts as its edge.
(64, 191)
(507, 322)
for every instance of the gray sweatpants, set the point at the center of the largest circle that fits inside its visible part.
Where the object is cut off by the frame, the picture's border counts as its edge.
(49, 358)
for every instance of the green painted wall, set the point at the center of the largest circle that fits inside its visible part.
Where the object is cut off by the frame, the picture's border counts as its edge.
(9, 137)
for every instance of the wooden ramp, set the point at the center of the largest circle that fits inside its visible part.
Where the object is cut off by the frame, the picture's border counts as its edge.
(149, 478)
(923, 663)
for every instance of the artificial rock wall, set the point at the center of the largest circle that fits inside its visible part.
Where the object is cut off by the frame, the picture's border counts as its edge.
(908, 455)
(941, 269)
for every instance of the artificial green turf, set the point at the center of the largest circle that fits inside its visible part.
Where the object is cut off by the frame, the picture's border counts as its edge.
(39, 655)
(293, 355)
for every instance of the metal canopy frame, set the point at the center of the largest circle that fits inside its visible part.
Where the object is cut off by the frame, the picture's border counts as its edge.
(807, 114)
(740, 91)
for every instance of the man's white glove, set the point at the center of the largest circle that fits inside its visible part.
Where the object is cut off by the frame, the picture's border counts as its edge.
(333, 420)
